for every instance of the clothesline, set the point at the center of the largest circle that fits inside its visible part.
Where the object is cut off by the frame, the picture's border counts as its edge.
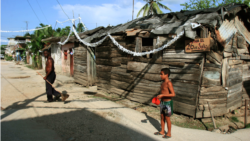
(120, 46)
(28, 30)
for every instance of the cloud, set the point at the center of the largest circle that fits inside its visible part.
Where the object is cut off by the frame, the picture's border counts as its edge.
(109, 13)
(103, 14)
(166, 2)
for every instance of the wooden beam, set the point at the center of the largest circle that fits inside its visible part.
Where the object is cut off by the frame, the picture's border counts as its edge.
(224, 72)
(199, 87)
(144, 67)
(212, 89)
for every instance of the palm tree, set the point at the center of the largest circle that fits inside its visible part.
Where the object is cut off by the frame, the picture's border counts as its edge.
(152, 7)
(80, 28)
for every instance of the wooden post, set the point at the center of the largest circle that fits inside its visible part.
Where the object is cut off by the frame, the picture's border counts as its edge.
(224, 72)
(138, 45)
(88, 65)
(246, 106)
(199, 86)
(133, 11)
(211, 115)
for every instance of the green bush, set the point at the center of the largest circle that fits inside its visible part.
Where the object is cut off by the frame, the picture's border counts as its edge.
(23, 55)
(34, 65)
(248, 125)
(234, 119)
(8, 58)
(39, 61)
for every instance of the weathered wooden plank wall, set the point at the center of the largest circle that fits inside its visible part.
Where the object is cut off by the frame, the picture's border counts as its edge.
(246, 82)
(218, 80)
(80, 64)
(222, 79)
(138, 78)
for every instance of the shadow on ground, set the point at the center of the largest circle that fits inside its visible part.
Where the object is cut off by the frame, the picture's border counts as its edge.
(79, 124)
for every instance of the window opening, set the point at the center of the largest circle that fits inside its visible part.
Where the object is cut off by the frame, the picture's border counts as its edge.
(65, 54)
(147, 41)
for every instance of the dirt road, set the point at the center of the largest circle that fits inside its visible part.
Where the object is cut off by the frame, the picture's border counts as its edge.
(83, 117)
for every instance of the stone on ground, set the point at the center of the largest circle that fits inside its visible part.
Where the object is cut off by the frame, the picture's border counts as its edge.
(224, 128)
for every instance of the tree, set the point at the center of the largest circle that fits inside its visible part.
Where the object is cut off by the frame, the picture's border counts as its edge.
(200, 4)
(3, 48)
(226, 2)
(80, 28)
(204, 4)
(36, 38)
(59, 32)
(152, 7)
(26, 34)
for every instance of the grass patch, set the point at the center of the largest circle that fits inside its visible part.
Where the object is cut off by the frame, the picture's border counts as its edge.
(248, 125)
(30, 66)
(191, 125)
(234, 119)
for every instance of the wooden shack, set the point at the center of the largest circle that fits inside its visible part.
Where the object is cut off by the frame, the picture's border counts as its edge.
(208, 63)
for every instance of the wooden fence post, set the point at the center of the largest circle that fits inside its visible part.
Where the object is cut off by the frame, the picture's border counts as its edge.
(246, 106)
(211, 115)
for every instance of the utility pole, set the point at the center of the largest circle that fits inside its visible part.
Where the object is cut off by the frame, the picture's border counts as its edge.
(96, 24)
(26, 25)
(74, 18)
(133, 11)
(79, 18)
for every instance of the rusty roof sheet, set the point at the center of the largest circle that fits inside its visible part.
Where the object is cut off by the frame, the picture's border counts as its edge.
(226, 31)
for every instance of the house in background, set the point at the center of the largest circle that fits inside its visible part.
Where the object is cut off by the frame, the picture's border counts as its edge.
(10, 49)
(67, 59)
(56, 52)
(21, 46)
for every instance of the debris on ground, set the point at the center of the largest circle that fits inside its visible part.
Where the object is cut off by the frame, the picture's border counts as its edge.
(224, 128)
(216, 131)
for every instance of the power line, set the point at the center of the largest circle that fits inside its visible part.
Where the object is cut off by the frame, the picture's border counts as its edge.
(34, 11)
(42, 11)
(62, 9)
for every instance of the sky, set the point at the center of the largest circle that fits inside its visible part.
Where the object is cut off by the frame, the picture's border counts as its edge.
(94, 13)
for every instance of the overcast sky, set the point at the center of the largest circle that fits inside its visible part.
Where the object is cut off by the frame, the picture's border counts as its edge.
(94, 13)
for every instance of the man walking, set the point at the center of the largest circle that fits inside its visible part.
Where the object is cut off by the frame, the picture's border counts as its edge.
(51, 77)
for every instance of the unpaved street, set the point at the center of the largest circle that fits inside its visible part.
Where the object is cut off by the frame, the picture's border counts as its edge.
(83, 117)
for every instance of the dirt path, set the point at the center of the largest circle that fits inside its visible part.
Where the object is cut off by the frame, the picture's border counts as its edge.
(83, 117)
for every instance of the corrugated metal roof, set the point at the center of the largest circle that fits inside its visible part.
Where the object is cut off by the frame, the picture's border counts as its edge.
(242, 29)
(227, 31)
(174, 23)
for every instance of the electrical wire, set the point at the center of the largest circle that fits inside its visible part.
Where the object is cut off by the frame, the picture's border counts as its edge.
(33, 11)
(62, 9)
(42, 11)
(55, 26)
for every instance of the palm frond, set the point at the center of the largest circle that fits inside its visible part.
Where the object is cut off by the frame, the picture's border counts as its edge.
(156, 8)
(143, 8)
(163, 6)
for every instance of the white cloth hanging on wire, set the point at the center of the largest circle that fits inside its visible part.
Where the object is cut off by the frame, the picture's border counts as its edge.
(118, 45)
(28, 30)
